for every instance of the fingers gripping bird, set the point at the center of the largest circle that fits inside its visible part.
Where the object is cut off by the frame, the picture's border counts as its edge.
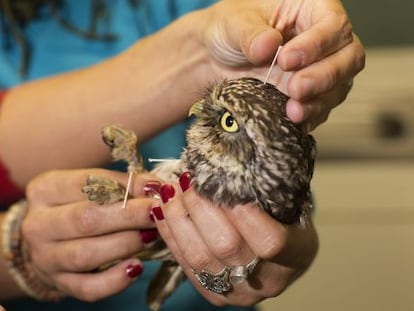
(241, 148)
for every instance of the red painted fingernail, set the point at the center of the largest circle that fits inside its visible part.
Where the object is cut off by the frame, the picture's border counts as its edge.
(149, 235)
(152, 188)
(157, 213)
(134, 270)
(151, 217)
(185, 181)
(167, 192)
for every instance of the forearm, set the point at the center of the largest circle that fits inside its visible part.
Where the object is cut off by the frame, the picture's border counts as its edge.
(55, 122)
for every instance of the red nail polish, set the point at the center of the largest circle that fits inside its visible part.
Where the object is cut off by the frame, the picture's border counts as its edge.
(152, 188)
(134, 270)
(167, 192)
(185, 181)
(157, 213)
(151, 217)
(149, 235)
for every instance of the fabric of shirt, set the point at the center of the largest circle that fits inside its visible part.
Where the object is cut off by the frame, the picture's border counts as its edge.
(54, 49)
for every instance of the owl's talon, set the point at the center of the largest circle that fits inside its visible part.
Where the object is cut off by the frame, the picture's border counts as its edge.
(103, 190)
(123, 143)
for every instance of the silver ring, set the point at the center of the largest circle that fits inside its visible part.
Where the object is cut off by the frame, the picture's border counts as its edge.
(239, 274)
(216, 282)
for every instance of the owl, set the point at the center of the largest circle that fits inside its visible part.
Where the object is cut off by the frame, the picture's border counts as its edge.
(241, 148)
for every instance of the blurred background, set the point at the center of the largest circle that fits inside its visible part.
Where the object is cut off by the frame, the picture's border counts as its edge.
(364, 178)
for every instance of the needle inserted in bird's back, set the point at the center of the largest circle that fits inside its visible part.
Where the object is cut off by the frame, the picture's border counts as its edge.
(272, 64)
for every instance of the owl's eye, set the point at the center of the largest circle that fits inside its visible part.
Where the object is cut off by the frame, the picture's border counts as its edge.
(228, 123)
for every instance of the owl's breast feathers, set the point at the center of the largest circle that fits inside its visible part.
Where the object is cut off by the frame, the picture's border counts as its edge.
(242, 148)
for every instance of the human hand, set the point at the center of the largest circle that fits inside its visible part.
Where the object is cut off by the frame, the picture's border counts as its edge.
(202, 236)
(69, 237)
(318, 61)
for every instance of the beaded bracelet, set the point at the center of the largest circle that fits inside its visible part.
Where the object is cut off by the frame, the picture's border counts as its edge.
(18, 261)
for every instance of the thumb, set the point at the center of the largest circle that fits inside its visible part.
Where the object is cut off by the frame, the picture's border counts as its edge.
(249, 42)
(260, 44)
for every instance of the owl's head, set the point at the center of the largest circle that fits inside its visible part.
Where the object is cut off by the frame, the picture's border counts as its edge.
(242, 148)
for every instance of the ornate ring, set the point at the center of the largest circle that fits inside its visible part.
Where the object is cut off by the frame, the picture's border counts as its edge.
(239, 274)
(216, 282)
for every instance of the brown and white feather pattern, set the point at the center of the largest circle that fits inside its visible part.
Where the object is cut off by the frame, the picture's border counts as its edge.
(241, 148)
(268, 160)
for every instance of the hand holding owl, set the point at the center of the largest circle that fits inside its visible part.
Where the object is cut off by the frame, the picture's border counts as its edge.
(319, 58)
(245, 175)
(233, 38)
(204, 237)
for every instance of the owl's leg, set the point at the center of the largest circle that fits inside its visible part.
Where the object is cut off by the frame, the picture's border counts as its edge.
(166, 281)
(123, 145)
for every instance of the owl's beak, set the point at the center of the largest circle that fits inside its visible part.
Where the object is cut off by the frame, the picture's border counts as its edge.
(196, 109)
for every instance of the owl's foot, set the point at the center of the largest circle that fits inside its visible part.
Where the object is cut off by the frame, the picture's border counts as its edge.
(123, 143)
(103, 190)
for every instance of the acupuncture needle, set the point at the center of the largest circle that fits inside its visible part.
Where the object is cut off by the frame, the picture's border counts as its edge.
(272, 64)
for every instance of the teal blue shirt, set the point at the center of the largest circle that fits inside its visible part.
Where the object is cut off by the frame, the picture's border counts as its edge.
(54, 50)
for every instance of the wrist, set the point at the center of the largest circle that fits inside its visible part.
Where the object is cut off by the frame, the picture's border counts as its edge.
(17, 259)
(170, 67)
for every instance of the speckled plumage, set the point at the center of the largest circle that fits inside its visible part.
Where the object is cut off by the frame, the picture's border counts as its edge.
(241, 148)
(268, 160)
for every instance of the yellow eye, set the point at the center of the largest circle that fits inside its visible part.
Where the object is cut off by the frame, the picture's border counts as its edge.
(228, 123)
